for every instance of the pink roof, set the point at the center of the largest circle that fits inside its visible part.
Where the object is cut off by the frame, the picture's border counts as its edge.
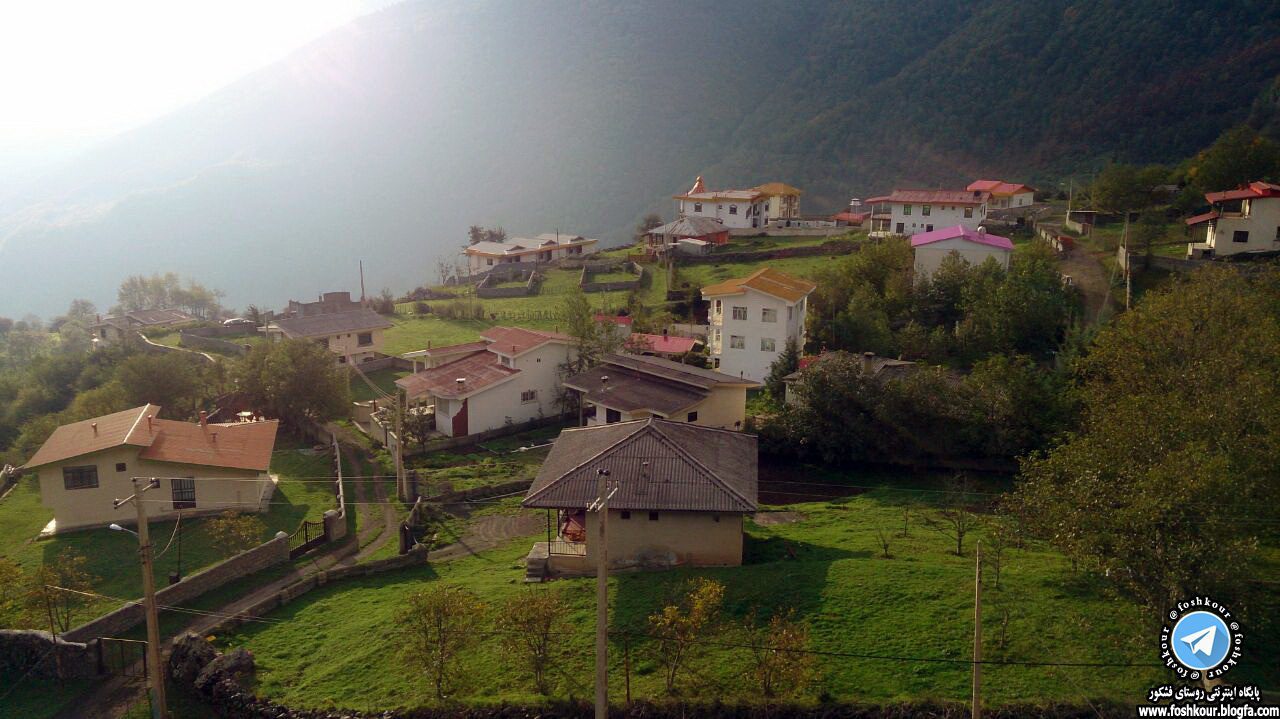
(959, 232)
(659, 343)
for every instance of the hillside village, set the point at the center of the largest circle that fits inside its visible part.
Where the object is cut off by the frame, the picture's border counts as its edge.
(789, 440)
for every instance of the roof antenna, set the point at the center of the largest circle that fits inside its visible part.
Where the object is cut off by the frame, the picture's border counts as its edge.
(361, 281)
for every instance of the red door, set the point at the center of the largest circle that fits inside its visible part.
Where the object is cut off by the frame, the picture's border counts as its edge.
(460, 421)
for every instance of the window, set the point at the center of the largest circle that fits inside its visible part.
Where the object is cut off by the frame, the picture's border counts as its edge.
(899, 228)
(739, 313)
(715, 363)
(120, 466)
(906, 209)
(715, 518)
(80, 477)
(612, 416)
(1278, 234)
(790, 312)
(928, 228)
(968, 212)
(717, 337)
(184, 493)
(925, 210)
(653, 516)
(342, 360)
(733, 209)
(1240, 236)
(737, 342)
(767, 315)
(364, 339)
(719, 306)
(692, 417)
(506, 361)
(768, 345)
(625, 514)
(323, 342)
(529, 395)
(489, 262)
(697, 207)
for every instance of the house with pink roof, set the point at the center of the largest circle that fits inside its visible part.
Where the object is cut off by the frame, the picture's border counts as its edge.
(973, 246)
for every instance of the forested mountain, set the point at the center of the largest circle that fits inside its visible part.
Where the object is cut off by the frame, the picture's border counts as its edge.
(384, 140)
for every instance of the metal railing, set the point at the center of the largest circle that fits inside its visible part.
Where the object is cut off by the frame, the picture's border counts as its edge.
(308, 536)
(566, 548)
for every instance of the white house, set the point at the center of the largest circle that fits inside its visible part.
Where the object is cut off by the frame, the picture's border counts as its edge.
(1004, 195)
(752, 318)
(906, 212)
(740, 209)
(974, 246)
(549, 246)
(512, 375)
(1242, 220)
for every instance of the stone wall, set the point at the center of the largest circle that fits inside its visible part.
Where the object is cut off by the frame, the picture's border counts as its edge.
(386, 362)
(487, 290)
(116, 623)
(25, 650)
(590, 270)
(831, 247)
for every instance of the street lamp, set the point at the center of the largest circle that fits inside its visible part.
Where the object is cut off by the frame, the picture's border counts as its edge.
(117, 528)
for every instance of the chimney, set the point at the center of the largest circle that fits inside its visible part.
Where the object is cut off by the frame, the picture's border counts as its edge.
(204, 418)
(982, 231)
(95, 428)
(150, 426)
(213, 437)
(868, 359)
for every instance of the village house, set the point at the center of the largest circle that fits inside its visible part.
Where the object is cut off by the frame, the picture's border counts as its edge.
(114, 328)
(974, 246)
(665, 345)
(1004, 195)
(355, 336)
(739, 209)
(906, 212)
(547, 247)
(1246, 219)
(511, 375)
(619, 326)
(752, 318)
(873, 365)
(679, 495)
(202, 467)
(663, 239)
(629, 387)
(329, 303)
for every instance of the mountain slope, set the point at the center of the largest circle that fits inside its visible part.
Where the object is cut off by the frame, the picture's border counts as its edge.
(385, 140)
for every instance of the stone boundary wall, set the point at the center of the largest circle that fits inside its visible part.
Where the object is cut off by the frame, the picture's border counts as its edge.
(833, 247)
(588, 270)
(23, 650)
(528, 274)
(213, 344)
(270, 553)
(386, 362)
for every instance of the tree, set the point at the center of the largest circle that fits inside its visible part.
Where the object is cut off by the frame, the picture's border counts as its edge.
(787, 362)
(532, 623)
(1001, 534)
(1160, 486)
(953, 518)
(234, 532)
(47, 595)
(1239, 155)
(648, 222)
(254, 313)
(678, 627)
(475, 234)
(168, 379)
(780, 663)
(591, 340)
(295, 380)
(1124, 188)
(437, 624)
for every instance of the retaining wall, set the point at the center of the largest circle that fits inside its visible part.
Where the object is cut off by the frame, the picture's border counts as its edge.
(386, 362)
(212, 344)
(27, 650)
(621, 285)
(834, 247)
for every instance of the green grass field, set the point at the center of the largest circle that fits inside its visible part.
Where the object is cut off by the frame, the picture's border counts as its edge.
(828, 566)
(385, 379)
(112, 556)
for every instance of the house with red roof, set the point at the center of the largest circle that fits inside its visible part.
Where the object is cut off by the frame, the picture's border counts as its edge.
(202, 467)
(973, 246)
(907, 212)
(1246, 219)
(1004, 195)
(511, 375)
(739, 209)
(665, 345)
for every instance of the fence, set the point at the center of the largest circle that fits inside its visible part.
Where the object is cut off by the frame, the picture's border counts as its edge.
(307, 537)
(122, 657)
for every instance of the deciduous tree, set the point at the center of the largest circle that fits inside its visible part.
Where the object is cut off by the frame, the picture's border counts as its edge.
(437, 624)
(532, 623)
(296, 380)
(677, 628)
(234, 532)
(781, 664)
(48, 595)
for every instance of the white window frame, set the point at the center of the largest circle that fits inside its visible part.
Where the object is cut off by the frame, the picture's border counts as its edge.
(737, 342)
(739, 313)
(768, 344)
(528, 396)
(768, 314)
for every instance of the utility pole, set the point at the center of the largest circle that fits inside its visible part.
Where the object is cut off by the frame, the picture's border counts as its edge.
(977, 632)
(601, 507)
(362, 282)
(402, 486)
(155, 670)
(1128, 269)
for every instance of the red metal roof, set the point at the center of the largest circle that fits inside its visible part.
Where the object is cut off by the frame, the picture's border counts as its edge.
(941, 197)
(1203, 218)
(516, 340)
(1252, 190)
(665, 344)
(477, 371)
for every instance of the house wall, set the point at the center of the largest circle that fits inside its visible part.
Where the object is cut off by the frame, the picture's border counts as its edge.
(750, 214)
(1262, 224)
(494, 406)
(346, 344)
(482, 262)
(750, 361)
(940, 215)
(725, 408)
(782, 206)
(698, 539)
(76, 508)
(930, 256)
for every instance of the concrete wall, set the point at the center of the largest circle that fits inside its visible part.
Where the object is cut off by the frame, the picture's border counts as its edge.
(587, 285)
(929, 257)
(698, 539)
(750, 361)
(267, 554)
(78, 508)
(730, 213)
(725, 408)
(940, 215)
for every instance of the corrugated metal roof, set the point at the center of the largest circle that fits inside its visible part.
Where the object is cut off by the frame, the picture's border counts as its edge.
(627, 390)
(654, 464)
(321, 325)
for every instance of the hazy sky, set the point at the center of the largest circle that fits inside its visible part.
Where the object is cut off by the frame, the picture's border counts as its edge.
(78, 70)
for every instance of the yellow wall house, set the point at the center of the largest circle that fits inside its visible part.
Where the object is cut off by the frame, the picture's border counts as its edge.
(681, 493)
(627, 387)
(354, 336)
(202, 467)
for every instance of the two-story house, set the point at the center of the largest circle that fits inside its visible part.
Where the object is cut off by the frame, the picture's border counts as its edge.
(511, 375)
(625, 387)
(739, 209)
(906, 212)
(1246, 219)
(1005, 195)
(752, 318)
(201, 467)
(354, 336)
(547, 247)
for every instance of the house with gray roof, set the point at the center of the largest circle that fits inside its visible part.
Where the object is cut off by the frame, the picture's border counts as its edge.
(626, 387)
(354, 336)
(677, 496)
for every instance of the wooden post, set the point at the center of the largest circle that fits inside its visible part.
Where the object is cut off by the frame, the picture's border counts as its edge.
(402, 488)
(977, 632)
(626, 663)
(1128, 265)
(602, 597)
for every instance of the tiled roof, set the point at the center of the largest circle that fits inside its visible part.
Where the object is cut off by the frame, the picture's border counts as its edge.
(1253, 190)
(1197, 219)
(654, 465)
(517, 340)
(329, 324)
(939, 197)
(691, 226)
(960, 232)
(999, 188)
(777, 188)
(666, 344)
(238, 446)
(446, 350)
(524, 245)
(853, 218)
(159, 317)
(767, 280)
(478, 371)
